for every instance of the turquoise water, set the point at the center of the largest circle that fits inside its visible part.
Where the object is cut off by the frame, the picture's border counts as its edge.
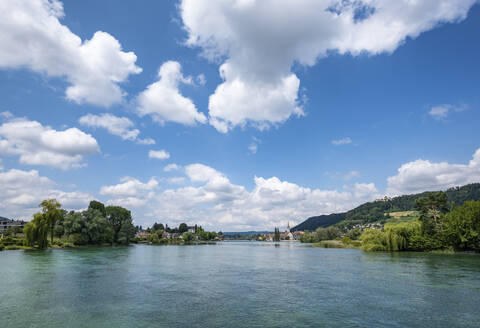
(236, 284)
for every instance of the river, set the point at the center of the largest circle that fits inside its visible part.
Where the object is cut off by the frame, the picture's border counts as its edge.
(236, 284)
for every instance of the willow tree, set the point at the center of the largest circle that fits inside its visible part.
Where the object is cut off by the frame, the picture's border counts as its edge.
(52, 211)
(36, 231)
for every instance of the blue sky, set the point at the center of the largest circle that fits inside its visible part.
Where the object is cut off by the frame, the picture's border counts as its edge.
(313, 114)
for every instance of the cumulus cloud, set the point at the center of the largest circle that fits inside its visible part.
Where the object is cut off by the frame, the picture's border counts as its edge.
(130, 192)
(118, 126)
(171, 167)
(158, 154)
(441, 112)
(36, 144)
(22, 192)
(259, 41)
(163, 101)
(424, 175)
(32, 36)
(213, 201)
(343, 141)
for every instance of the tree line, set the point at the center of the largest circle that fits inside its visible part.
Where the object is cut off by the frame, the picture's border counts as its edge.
(99, 224)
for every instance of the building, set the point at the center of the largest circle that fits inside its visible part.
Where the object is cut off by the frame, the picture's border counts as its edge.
(287, 235)
(192, 229)
(142, 234)
(6, 224)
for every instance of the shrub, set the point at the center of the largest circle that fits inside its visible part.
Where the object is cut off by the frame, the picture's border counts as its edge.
(1, 247)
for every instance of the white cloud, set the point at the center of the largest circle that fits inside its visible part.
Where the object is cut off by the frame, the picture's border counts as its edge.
(158, 154)
(201, 79)
(32, 36)
(1, 166)
(343, 141)
(22, 192)
(259, 41)
(214, 202)
(171, 167)
(176, 180)
(130, 192)
(423, 175)
(6, 115)
(119, 126)
(253, 147)
(163, 100)
(441, 112)
(42, 145)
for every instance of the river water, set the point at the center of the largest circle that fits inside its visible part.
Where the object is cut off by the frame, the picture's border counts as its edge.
(236, 284)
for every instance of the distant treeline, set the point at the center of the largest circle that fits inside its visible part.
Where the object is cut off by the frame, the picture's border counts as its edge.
(375, 211)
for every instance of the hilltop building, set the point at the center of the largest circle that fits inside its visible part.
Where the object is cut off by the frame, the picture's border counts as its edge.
(6, 224)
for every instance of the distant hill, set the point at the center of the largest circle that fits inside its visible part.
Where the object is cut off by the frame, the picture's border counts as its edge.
(321, 221)
(375, 211)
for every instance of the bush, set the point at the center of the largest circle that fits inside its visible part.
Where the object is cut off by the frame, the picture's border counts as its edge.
(1, 247)
(396, 237)
(329, 233)
(77, 239)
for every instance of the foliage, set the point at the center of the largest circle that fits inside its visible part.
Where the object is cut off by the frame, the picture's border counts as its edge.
(188, 237)
(276, 236)
(354, 234)
(430, 208)
(36, 231)
(96, 205)
(329, 233)
(182, 228)
(462, 227)
(120, 219)
(52, 212)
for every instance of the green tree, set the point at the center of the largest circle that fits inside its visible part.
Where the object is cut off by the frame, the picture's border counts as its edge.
(36, 231)
(96, 205)
(431, 207)
(276, 236)
(182, 228)
(120, 220)
(52, 212)
(158, 226)
(188, 237)
(76, 228)
(462, 226)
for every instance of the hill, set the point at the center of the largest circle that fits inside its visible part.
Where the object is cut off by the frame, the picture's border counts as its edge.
(375, 211)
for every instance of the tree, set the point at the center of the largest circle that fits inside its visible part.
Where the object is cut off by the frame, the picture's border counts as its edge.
(76, 228)
(120, 220)
(188, 237)
(96, 205)
(158, 226)
(36, 231)
(276, 236)
(182, 228)
(52, 212)
(462, 226)
(431, 206)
